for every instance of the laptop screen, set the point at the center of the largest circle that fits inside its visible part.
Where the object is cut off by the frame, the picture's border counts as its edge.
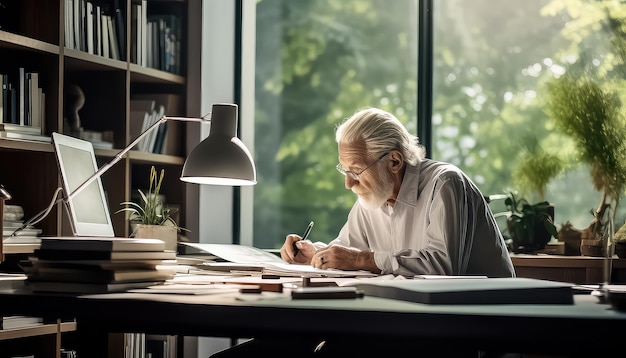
(88, 211)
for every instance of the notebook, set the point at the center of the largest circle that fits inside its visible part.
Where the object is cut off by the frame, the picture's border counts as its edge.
(88, 212)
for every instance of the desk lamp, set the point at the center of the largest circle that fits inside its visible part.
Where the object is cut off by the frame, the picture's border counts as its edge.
(220, 159)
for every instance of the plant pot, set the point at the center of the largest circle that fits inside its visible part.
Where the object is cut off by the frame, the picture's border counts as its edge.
(529, 239)
(620, 250)
(592, 247)
(571, 238)
(167, 233)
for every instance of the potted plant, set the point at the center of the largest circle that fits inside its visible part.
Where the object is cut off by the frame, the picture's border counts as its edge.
(150, 219)
(591, 115)
(587, 105)
(530, 226)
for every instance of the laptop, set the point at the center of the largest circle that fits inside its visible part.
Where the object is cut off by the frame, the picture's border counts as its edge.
(88, 212)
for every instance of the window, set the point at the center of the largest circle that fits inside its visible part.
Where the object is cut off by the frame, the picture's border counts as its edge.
(492, 61)
(317, 62)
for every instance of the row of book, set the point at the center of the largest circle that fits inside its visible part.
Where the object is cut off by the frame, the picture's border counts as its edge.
(22, 101)
(155, 39)
(145, 111)
(98, 265)
(95, 27)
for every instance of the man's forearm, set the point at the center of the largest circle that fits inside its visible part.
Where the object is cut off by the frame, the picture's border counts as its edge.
(365, 261)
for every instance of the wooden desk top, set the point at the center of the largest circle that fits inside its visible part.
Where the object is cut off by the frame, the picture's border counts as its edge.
(527, 260)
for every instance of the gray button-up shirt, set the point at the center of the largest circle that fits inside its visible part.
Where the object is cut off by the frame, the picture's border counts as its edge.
(440, 224)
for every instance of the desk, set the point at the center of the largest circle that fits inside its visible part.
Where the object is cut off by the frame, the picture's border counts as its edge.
(574, 269)
(586, 326)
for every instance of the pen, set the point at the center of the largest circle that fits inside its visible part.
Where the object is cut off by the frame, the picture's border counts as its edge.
(304, 237)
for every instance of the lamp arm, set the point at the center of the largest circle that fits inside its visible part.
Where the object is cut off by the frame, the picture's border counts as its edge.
(123, 152)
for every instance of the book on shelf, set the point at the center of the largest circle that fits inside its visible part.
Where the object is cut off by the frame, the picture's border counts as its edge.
(11, 127)
(4, 104)
(102, 244)
(86, 287)
(45, 254)
(170, 133)
(15, 322)
(25, 136)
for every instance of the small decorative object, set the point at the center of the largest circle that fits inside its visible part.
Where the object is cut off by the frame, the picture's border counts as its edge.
(530, 226)
(151, 218)
(74, 102)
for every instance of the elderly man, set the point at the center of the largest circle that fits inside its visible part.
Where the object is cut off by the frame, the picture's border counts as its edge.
(413, 215)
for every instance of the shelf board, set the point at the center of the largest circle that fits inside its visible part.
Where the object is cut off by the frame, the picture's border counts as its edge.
(19, 42)
(31, 146)
(142, 157)
(151, 75)
(37, 330)
(85, 61)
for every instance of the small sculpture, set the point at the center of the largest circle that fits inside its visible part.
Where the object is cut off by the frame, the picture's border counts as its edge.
(74, 101)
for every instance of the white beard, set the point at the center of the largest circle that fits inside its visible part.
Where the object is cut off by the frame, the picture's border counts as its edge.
(380, 194)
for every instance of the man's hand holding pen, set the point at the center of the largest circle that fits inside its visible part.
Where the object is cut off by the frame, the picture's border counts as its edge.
(297, 249)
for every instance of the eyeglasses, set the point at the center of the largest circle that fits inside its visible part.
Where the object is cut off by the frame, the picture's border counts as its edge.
(353, 175)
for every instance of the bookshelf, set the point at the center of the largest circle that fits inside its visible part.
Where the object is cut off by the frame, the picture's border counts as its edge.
(52, 38)
(35, 37)
(43, 340)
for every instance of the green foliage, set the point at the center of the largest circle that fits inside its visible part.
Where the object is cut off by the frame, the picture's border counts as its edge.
(536, 168)
(593, 117)
(151, 211)
(530, 226)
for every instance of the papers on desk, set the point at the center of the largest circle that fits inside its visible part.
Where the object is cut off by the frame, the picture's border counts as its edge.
(248, 258)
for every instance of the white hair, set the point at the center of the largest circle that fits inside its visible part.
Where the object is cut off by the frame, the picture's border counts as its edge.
(382, 132)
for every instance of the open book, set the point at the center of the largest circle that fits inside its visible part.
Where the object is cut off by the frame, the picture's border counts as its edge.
(247, 258)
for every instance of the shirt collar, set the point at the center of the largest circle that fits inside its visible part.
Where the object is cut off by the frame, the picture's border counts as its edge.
(409, 189)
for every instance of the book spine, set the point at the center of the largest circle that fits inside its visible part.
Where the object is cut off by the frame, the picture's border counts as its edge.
(4, 105)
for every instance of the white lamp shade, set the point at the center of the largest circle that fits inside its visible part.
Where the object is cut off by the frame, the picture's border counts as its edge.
(221, 158)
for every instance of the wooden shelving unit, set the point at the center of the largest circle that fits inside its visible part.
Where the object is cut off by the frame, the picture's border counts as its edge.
(29, 170)
(32, 36)
(41, 341)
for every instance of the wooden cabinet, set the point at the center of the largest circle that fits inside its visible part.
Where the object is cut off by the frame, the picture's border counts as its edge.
(34, 36)
(45, 340)
(574, 269)
(45, 37)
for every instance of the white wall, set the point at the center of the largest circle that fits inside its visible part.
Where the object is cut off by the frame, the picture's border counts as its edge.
(211, 80)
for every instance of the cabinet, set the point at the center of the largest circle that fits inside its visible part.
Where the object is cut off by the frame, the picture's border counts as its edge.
(45, 340)
(35, 36)
(574, 269)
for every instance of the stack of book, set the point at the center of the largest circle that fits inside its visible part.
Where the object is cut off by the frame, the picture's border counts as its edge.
(12, 221)
(98, 265)
(22, 132)
(15, 322)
